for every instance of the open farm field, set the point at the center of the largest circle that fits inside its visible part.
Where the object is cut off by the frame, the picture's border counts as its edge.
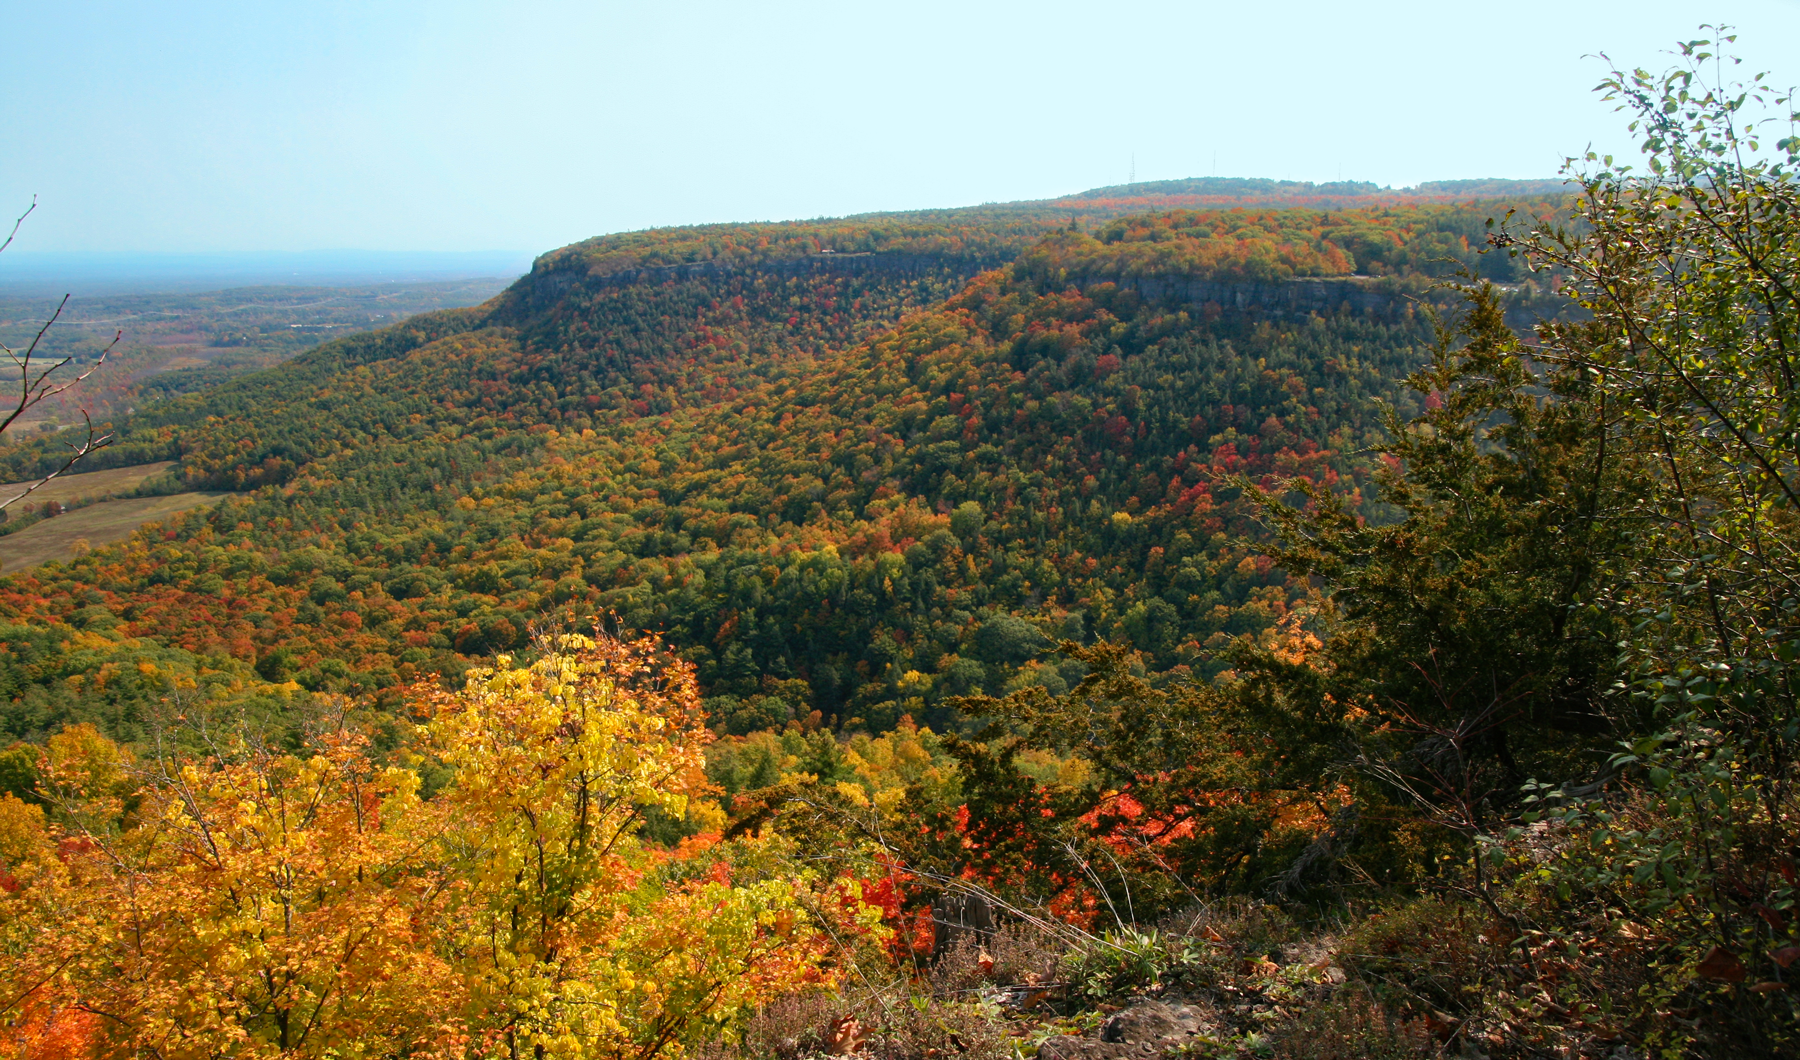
(177, 343)
(99, 524)
(72, 487)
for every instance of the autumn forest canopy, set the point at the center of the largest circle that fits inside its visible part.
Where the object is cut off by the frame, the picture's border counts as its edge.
(1218, 618)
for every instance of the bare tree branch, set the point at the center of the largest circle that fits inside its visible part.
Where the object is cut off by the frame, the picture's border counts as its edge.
(92, 443)
(34, 390)
(20, 221)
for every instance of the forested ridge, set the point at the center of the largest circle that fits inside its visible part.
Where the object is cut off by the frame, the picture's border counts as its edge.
(1320, 624)
(838, 475)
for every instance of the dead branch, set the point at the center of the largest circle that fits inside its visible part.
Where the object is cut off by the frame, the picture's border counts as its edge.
(37, 386)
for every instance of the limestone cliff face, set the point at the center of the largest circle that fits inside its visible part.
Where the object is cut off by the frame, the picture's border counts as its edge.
(1282, 298)
(1384, 298)
(546, 286)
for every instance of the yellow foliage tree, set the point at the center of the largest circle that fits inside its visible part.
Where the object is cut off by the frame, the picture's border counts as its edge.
(259, 904)
(256, 903)
(33, 957)
(576, 939)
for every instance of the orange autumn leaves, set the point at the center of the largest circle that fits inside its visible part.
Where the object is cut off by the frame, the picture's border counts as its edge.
(251, 901)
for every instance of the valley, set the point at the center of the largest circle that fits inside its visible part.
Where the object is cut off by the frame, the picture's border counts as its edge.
(1206, 618)
(857, 468)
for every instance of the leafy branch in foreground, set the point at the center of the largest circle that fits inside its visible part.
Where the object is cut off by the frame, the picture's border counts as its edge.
(1600, 551)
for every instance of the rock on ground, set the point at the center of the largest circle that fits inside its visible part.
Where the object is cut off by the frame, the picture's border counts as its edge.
(1147, 1029)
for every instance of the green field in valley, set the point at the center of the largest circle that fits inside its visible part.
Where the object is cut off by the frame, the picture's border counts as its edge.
(93, 485)
(68, 535)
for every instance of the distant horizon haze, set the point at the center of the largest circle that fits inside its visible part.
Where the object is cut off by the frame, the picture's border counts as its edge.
(28, 274)
(200, 126)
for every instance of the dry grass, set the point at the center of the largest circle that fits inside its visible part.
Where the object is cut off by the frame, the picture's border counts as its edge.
(1352, 1025)
(98, 524)
(96, 484)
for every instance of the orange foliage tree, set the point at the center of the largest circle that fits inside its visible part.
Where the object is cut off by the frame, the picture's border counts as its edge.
(258, 902)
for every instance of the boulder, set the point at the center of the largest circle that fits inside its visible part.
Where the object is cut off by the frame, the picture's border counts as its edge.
(1143, 1031)
(957, 914)
(1152, 1021)
(1073, 1048)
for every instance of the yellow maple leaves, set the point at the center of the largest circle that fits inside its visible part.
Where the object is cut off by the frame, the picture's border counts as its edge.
(312, 902)
(573, 942)
(256, 904)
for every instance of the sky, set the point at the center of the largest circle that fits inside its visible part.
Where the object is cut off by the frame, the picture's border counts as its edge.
(189, 127)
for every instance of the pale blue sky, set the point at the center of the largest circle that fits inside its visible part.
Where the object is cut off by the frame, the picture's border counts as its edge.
(275, 126)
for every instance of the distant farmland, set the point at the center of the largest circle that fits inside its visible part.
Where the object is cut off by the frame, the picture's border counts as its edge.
(92, 485)
(62, 537)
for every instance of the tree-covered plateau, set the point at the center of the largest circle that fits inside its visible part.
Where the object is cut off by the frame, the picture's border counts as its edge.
(1168, 632)
(858, 483)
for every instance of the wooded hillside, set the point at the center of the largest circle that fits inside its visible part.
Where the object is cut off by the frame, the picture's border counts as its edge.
(854, 482)
(1081, 630)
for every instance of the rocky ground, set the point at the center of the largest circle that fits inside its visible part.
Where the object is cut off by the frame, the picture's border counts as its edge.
(1241, 981)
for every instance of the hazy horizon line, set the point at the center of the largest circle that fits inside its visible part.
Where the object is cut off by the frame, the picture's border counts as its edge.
(26, 273)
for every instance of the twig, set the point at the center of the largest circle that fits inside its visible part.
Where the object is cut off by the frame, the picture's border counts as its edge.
(33, 392)
(20, 221)
(92, 444)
